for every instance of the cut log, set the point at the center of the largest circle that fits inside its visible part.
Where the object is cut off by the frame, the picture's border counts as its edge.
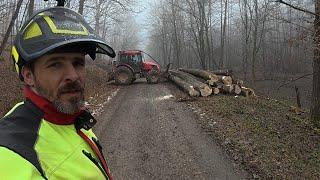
(247, 92)
(212, 82)
(215, 90)
(203, 88)
(227, 80)
(222, 72)
(207, 75)
(219, 85)
(238, 82)
(237, 89)
(228, 88)
(185, 86)
(201, 80)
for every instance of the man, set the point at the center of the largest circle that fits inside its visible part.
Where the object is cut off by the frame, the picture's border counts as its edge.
(49, 136)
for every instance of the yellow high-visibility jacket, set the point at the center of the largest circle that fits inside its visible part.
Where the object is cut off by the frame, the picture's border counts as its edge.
(33, 147)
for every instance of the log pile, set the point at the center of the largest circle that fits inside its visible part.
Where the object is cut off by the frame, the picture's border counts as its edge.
(197, 82)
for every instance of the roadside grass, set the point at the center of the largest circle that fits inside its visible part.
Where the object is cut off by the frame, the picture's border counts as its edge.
(97, 88)
(263, 136)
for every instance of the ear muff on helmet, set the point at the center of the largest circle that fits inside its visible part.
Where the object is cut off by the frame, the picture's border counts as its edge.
(17, 61)
(52, 29)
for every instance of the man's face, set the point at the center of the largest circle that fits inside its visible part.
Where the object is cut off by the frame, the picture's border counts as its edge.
(60, 78)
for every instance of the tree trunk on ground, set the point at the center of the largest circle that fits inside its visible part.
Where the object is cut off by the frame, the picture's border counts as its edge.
(204, 89)
(201, 73)
(185, 86)
(247, 92)
(315, 106)
(238, 82)
(216, 90)
(237, 89)
(6, 36)
(223, 72)
(227, 80)
(227, 88)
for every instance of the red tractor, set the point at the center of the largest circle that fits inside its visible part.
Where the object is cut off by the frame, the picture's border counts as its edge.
(132, 64)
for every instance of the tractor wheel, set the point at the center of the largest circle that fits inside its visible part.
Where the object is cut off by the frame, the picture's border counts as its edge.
(123, 75)
(153, 76)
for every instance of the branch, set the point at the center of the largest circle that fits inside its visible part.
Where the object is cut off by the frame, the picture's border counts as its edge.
(297, 8)
(293, 80)
(290, 22)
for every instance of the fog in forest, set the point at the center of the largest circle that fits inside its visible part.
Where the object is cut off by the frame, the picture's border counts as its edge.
(265, 43)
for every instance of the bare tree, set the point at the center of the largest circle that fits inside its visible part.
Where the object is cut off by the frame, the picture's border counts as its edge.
(14, 17)
(246, 29)
(81, 5)
(224, 3)
(315, 105)
(30, 8)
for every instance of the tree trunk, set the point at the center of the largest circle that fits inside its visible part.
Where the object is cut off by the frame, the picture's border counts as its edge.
(81, 4)
(255, 47)
(30, 8)
(227, 89)
(223, 72)
(227, 80)
(97, 16)
(248, 92)
(203, 88)
(223, 32)
(215, 90)
(201, 73)
(246, 37)
(6, 36)
(315, 106)
(185, 86)
(237, 89)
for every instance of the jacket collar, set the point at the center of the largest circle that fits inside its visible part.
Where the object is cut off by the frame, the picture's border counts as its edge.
(50, 112)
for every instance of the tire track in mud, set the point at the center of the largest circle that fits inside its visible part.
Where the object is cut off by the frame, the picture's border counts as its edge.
(148, 135)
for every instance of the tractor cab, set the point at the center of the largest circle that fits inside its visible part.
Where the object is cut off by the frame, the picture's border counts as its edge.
(136, 60)
(133, 59)
(131, 65)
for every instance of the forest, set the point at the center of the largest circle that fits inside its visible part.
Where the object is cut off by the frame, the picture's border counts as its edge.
(272, 45)
(268, 49)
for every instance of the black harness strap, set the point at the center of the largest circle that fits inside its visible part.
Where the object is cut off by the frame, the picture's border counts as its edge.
(19, 132)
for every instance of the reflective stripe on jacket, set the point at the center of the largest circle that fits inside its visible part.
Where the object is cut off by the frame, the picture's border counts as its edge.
(34, 148)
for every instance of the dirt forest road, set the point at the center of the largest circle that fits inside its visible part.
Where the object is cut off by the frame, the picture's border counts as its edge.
(148, 135)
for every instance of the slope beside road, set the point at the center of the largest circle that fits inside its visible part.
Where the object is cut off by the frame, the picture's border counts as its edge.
(148, 135)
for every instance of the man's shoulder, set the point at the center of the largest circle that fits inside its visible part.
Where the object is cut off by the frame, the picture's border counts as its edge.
(21, 114)
(24, 108)
(19, 131)
(19, 126)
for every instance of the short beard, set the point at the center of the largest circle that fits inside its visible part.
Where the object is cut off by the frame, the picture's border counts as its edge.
(74, 104)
